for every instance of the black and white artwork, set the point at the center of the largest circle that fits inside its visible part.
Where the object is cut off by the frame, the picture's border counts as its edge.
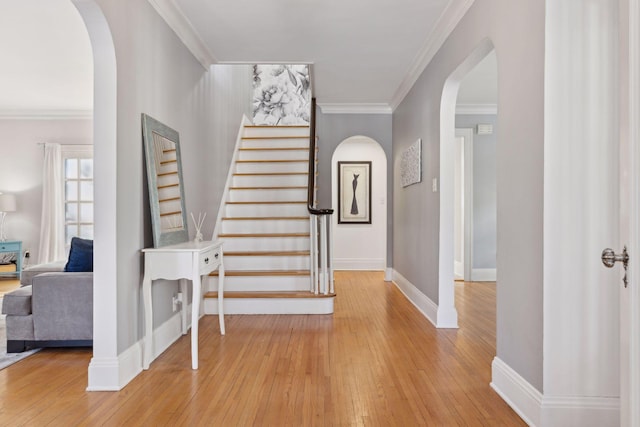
(281, 95)
(354, 192)
(410, 164)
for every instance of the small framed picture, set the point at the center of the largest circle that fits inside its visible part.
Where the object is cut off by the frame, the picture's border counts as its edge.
(354, 192)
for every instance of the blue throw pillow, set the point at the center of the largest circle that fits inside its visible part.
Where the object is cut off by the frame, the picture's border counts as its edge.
(80, 255)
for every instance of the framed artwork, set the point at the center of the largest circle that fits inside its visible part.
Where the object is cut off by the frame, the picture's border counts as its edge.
(354, 192)
(410, 164)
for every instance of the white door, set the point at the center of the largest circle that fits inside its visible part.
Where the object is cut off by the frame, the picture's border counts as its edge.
(630, 216)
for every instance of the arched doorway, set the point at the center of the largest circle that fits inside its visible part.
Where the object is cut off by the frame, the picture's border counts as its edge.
(447, 316)
(359, 246)
(104, 366)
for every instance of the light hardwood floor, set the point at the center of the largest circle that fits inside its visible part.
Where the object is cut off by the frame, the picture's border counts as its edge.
(376, 362)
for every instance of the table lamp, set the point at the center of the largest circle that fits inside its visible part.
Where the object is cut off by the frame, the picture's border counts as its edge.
(7, 204)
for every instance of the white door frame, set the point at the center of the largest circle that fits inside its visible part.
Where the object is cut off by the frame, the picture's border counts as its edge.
(467, 134)
(630, 226)
(447, 316)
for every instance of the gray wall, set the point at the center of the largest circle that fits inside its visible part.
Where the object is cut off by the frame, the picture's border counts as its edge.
(484, 189)
(21, 169)
(157, 75)
(332, 129)
(517, 32)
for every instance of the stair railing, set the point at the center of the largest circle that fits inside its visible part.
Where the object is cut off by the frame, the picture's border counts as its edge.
(321, 253)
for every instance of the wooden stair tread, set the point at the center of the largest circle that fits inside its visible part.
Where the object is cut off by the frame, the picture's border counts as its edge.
(249, 273)
(275, 202)
(276, 126)
(269, 173)
(272, 161)
(276, 137)
(300, 187)
(265, 294)
(275, 149)
(268, 253)
(265, 218)
(264, 235)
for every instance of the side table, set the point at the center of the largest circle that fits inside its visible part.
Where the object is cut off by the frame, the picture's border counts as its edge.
(183, 261)
(13, 246)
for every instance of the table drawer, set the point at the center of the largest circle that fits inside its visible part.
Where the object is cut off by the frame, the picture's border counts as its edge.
(209, 259)
(9, 247)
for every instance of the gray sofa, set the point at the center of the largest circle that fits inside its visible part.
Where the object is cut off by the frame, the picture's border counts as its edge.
(52, 308)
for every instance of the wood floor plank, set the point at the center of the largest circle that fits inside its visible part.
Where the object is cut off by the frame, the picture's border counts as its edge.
(376, 361)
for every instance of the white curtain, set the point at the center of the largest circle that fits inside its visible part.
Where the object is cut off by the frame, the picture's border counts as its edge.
(52, 223)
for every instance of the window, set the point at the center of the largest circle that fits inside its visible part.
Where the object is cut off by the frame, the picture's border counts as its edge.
(78, 191)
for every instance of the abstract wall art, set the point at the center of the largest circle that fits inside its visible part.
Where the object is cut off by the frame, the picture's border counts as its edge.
(411, 164)
(354, 192)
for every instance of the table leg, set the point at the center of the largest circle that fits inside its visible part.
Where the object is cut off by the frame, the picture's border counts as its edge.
(183, 305)
(148, 322)
(195, 316)
(220, 294)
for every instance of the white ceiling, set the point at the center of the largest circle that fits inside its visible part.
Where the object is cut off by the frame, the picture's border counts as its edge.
(47, 63)
(364, 52)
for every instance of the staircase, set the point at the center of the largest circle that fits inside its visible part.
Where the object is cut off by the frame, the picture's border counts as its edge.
(265, 227)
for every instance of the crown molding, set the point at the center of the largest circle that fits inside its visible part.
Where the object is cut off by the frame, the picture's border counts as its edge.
(373, 108)
(178, 22)
(444, 26)
(51, 114)
(476, 109)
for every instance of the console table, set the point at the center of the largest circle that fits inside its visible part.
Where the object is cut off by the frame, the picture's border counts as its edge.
(183, 261)
(13, 246)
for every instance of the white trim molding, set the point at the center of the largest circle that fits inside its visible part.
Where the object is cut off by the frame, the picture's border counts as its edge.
(444, 26)
(439, 317)
(483, 274)
(128, 364)
(50, 114)
(537, 409)
(178, 22)
(373, 108)
(368, 264)
(523, 398)
(472, 109)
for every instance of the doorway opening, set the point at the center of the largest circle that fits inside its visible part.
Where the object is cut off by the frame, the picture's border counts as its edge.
(104, 365)
(474, 102)
(361, 246)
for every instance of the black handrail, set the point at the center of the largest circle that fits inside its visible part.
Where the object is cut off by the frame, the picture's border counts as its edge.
(312, 170)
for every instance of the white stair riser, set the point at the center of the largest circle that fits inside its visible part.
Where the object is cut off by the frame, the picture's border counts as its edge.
(265, 226)
(246, 244)
(261, 283)
(275, 143)
(251, 210)
(288, 195)
(268, 263)
(274, 155)
(268, 167)
(270, 306)
(270, 180)
(276, 131)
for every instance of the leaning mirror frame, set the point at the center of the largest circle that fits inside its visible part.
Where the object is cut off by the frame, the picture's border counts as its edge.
(164, 177)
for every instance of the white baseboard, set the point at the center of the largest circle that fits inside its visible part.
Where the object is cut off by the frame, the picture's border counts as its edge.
(113, 374)
(359, 264)
(271, 306)
(458, 269)
(388, 274)
(483, 275)
(104, 374)
(523, 398)
(551, 411)
(422, 302)
(580, 411)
